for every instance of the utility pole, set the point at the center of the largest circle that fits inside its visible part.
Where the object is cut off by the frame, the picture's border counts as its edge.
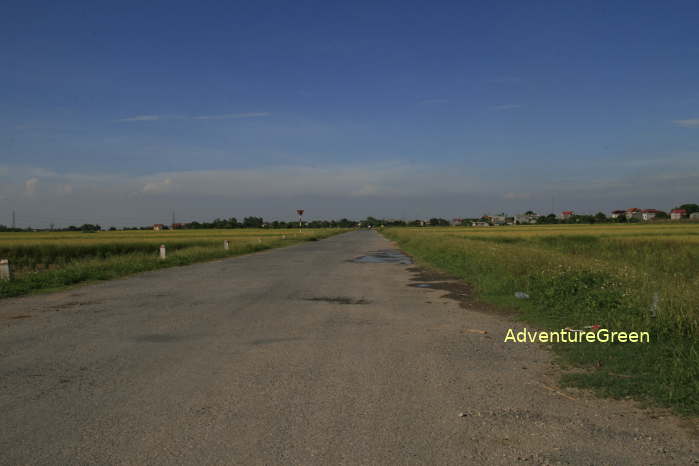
(13, 219)
(300, 212)
(172, 226)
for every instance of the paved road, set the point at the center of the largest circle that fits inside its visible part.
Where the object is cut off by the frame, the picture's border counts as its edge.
(295, 356)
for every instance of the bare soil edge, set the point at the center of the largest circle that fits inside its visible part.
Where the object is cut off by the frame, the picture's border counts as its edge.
(460, 291)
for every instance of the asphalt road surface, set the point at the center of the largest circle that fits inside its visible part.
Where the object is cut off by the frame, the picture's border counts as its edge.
(297, 356)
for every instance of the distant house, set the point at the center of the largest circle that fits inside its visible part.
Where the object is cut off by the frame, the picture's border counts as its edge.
(524, 219)
(480, 224)
(677, 214)
(618, 213)
(650, 214)
(158, 227)
(178, 226)
(457, 222)
(566, 214)
(498, 219)
(634, 214)
(694, 216)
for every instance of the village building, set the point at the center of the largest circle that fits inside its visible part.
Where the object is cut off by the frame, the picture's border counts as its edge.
(566, 214)
(677, 214)
(650, 214)
(634, 213)
(524, 219)
(694, 216)
(498, 219)
(158, 227)
(618, 213)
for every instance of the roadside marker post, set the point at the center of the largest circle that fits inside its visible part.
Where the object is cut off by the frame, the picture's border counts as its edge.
(163, 254)
(225, 244)
(5, 270)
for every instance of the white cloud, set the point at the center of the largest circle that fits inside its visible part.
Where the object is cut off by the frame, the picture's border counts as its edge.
(228, 116)
(505, 107)
(518, 196)
(30, 186)
(691, 123)
(141, 118)
(159, 186)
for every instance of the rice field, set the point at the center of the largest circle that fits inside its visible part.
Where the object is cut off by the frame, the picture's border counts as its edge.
(50, 260)
(634, 277)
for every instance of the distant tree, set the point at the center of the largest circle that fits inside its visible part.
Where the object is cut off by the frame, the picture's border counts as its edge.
(600, 217)
(253, 222)
(547, 219)
(90, 228)
(371, 221)
(690, 208)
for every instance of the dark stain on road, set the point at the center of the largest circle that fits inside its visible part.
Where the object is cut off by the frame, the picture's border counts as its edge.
(339, 300)
(388, 256)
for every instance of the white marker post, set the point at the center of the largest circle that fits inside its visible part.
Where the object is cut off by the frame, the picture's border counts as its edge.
(5, 270)
(163, 254)
(225, 244)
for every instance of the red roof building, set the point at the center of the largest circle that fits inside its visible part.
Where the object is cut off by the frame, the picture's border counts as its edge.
(677, 214)
(634, 213)
(567, 214)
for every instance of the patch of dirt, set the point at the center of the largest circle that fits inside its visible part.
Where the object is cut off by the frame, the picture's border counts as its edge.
(70, 305)
(338, 300)
(456, 289)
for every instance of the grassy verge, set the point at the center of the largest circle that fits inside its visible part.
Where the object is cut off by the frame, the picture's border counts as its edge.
(117, 260)
(623, 284)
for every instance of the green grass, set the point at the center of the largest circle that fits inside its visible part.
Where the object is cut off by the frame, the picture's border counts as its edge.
(578, 276)
(52, 261)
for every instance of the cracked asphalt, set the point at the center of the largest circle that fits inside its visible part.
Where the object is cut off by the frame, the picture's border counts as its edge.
(297, 356)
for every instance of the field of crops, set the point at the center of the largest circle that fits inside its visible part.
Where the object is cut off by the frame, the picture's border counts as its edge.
(47, 260)
(634, 277)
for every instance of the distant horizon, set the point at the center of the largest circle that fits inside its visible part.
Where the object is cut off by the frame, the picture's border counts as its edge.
(307, 219)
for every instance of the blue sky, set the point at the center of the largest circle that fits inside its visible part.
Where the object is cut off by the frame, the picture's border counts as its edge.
(119, 112)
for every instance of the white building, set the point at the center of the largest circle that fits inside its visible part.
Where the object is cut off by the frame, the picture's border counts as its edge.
(524, 219)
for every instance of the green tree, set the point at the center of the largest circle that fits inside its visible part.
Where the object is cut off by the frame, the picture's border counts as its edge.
(690, 208)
